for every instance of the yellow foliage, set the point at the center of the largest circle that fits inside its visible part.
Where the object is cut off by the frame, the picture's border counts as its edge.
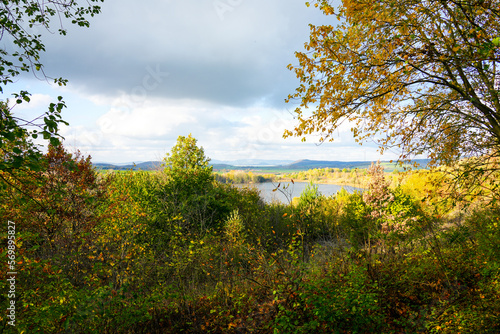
(419, 73)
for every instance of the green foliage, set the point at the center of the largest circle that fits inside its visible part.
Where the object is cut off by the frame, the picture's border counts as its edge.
(113, 253)
(243, 178)
(395, 213)
(355, 219)
(309, 195)
(189, 190)
(186, 158)
(18, 21)
(354, 177)
(484, 226)
(346, 303)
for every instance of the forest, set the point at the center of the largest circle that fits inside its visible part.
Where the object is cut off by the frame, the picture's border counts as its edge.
(182, 250)
(176, 251)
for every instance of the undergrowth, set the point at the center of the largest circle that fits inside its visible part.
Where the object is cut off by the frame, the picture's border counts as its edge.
(128, 258)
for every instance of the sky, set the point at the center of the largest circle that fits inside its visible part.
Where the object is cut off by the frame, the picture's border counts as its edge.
(144, 74)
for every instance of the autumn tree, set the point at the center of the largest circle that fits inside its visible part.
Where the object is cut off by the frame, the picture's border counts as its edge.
(56, 208)
(414, 75)
(22, 47)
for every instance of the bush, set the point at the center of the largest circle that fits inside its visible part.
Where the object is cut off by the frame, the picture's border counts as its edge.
(356, 221)
(331, 303)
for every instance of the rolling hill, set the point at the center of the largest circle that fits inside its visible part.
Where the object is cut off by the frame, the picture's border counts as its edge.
(264, 165)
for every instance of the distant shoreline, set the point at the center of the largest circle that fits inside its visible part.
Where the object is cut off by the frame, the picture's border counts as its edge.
(338, 182)
(297, 166)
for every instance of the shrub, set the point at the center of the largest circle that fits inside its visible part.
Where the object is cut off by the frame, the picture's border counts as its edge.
(331, 303)
(356, 221)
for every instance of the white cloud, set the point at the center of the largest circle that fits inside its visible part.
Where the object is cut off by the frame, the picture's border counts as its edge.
(37, 101)
(148, 122)
(148, 132)
(143, 74)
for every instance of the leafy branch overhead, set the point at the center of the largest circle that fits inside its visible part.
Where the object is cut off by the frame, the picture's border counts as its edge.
(18, 22)
(22, 47)
(416, 75)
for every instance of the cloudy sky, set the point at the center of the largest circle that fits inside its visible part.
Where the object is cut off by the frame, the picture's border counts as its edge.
(143, 74)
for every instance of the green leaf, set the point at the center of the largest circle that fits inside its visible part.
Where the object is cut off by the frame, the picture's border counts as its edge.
(54, 141)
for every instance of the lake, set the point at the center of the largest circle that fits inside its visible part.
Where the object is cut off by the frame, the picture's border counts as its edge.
(267, 193)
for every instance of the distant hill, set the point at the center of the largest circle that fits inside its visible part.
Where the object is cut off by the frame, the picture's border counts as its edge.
(147, 165)
(312, 164)
(252, 162)
(267, 165)
(223, 166)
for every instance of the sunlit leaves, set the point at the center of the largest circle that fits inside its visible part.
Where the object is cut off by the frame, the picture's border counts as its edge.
(414, 75)
(187, 156)
(189, 190)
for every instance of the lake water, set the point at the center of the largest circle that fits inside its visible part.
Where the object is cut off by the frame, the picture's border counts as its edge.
(267, 193)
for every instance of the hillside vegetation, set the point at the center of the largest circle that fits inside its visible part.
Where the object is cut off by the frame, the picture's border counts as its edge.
(179, 251)
(176, 251)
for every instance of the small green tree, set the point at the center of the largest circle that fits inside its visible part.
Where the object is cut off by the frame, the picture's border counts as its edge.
(309, 195)
(187, 159)
(189, 191)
